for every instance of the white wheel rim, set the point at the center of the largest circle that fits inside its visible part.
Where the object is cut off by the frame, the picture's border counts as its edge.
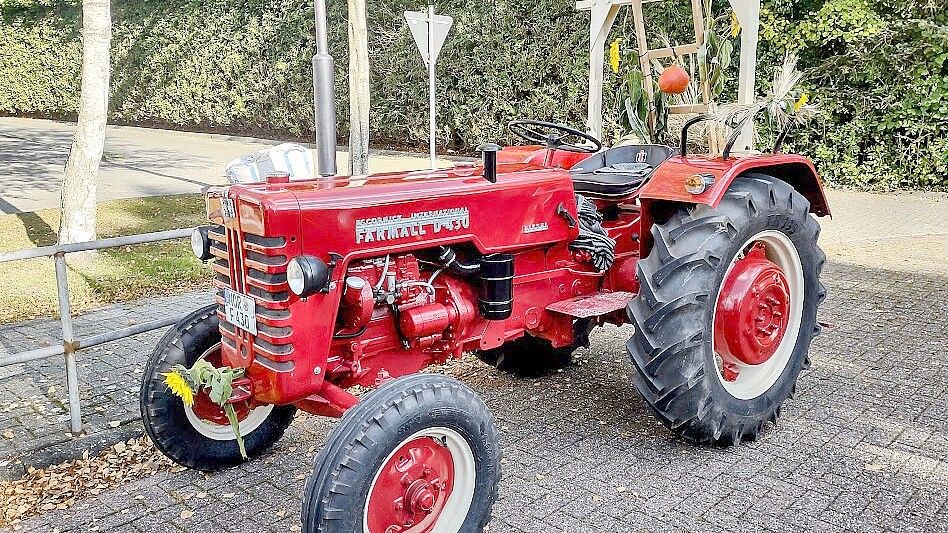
(754, 380)
(213, 431)
(458, 505)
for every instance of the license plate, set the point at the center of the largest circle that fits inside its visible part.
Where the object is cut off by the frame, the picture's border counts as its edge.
(241, 311)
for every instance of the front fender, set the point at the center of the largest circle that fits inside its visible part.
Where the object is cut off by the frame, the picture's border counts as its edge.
(668, 181)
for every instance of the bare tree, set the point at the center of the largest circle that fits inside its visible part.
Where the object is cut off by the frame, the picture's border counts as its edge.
(358, 89)
(79, 178)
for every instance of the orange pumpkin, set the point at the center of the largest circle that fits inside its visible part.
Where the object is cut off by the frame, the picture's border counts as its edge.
(674, 80)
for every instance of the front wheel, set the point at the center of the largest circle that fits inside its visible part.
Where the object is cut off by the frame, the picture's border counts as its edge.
(200, 436)
(727, 310)
(418, 455)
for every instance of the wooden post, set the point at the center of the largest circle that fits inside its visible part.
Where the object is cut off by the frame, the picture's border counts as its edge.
(359, 97)
(602, 17)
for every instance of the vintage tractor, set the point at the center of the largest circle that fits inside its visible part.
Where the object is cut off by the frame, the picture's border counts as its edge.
(335, 282)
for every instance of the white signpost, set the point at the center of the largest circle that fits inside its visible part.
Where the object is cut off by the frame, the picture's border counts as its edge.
(430, 32)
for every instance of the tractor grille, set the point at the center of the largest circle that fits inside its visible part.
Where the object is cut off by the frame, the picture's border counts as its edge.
(255, 266)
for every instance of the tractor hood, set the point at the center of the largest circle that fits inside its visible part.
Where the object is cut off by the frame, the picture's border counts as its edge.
(369, 215)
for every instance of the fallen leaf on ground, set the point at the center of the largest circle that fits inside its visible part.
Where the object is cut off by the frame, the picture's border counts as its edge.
(60, 486)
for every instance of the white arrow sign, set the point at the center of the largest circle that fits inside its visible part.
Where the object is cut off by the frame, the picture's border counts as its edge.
(418, 23)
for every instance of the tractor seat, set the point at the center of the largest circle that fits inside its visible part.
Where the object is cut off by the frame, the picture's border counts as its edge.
(618, 172)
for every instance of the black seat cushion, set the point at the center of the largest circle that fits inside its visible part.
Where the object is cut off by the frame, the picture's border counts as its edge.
(619, 171)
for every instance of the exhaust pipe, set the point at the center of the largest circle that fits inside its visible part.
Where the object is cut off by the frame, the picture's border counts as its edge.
(324, 96)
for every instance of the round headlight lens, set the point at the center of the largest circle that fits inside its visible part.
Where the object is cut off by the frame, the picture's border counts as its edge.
(201, 244)
(306, 275)
(294, 276)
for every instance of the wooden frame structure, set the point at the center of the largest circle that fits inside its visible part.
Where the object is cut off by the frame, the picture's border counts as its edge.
(603, 15)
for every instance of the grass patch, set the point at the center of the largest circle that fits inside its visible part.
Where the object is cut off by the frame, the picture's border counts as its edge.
(28, 288)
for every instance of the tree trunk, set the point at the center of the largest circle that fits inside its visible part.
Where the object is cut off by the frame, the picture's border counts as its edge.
(358, 89)
(79, 178)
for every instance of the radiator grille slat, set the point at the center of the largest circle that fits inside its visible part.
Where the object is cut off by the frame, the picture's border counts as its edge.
(256, 266)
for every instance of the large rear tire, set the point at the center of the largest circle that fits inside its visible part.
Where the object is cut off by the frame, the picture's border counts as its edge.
(727, 310)
(199, 437)
(419, 454)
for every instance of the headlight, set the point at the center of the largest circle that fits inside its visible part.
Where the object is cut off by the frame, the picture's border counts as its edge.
(698, 183)
(201, 243)
(306, 275)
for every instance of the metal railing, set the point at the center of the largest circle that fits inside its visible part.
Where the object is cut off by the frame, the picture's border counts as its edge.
(71, 344)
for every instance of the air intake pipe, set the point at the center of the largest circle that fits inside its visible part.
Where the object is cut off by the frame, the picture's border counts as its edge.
(324, 96)
(449, 259)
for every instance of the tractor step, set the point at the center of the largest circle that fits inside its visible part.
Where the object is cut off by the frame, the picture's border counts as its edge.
(598, 304)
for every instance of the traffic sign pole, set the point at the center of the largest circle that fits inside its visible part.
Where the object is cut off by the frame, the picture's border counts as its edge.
(432, 99)
(430, 31)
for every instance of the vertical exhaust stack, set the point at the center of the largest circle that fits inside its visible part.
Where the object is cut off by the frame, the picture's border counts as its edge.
(324, 96)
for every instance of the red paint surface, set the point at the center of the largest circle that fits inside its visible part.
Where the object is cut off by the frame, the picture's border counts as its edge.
(305, 351)
(668, 181)
(411, 489)
(540, 156)
(207, 410)
(753, 310)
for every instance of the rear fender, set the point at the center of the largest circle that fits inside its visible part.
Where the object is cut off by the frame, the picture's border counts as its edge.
(668, 181)
(666, 187)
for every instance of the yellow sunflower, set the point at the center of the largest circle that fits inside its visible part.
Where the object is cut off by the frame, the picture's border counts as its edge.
(614, 55)
(804, 98)
(735, 25)
(179, 387)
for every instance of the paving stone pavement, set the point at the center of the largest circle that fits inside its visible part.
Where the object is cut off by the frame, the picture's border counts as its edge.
(33, 397)
(862, 447)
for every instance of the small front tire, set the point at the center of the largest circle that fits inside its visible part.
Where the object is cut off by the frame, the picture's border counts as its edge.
(200, 437)
(420, 453)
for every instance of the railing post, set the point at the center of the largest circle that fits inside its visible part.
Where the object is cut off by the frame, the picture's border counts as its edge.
(69, 344)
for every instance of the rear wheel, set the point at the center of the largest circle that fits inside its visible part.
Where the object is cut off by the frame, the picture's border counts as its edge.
(200, 436)
(418, 455)
(727, 310)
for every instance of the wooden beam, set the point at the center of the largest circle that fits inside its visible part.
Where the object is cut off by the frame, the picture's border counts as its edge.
(586, 5)
(681, 109)
(680, 50)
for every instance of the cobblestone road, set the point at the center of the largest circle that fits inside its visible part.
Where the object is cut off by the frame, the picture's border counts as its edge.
(863, 446)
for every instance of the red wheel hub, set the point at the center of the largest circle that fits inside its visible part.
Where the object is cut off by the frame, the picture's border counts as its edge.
(411, 488)
(752, 313)
(207, 410)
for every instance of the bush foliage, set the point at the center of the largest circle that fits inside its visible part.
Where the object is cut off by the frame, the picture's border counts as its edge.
(878, 68)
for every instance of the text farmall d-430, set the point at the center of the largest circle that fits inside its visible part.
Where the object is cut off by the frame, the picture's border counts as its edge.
(334, 282)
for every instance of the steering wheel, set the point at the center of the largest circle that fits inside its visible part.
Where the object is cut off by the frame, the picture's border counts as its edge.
(554, 136)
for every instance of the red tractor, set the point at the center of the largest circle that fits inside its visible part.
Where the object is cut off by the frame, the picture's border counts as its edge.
(334, 282)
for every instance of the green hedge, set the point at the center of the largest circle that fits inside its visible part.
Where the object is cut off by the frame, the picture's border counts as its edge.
(877, 67)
